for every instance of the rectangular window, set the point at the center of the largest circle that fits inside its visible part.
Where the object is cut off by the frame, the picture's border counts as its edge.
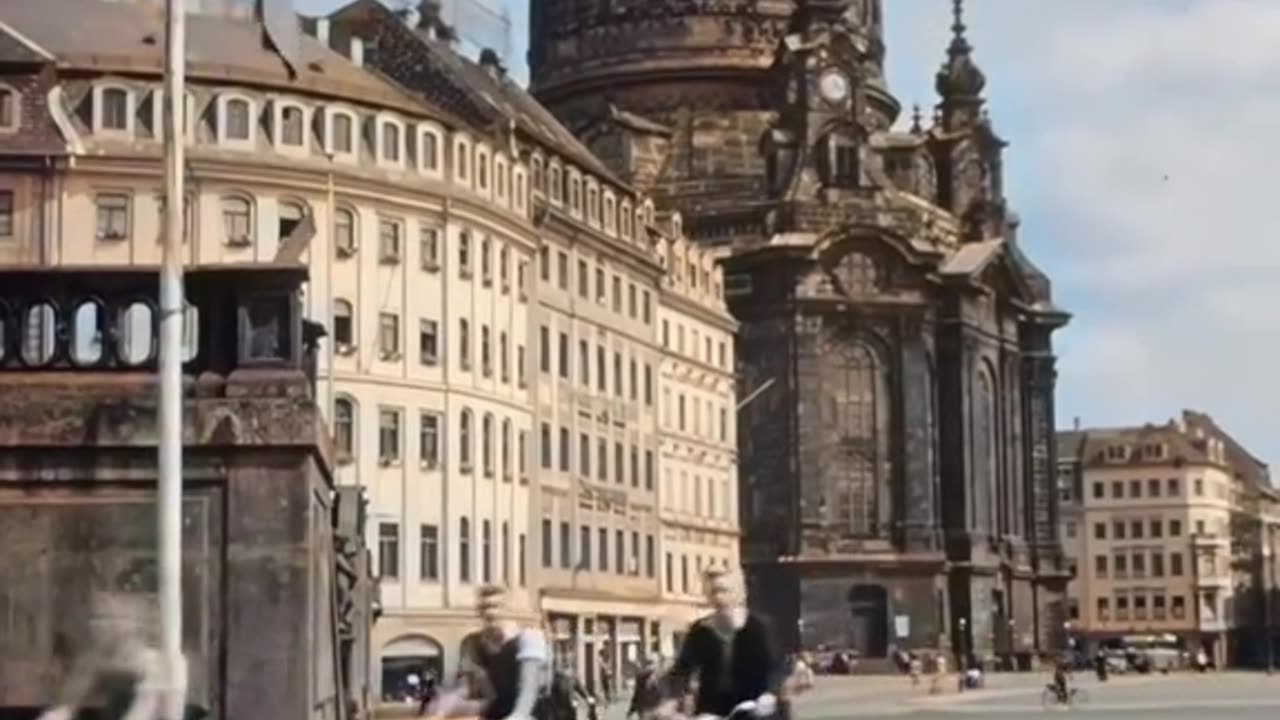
(544, 349)
(547, 550)
(1100, 531)
(633, 381)
(389, 551)
(1175, 564)
(566, 547)
(1100, 566)
(113, 216)
(648, 384)
(429, 553)
(619, 465)
(522, 378)
(600, 291)
(544, 446)
(6, 213)
(650, 557)
(389, 335)
(486, 352)
(544, 263)
(602, 452)
(563, 355)
(634, 569)
(631, 300)
(670, 572)
(388, 435)
(620, 552)
(617, 374)
(584, 363)
(603, 556)
(1157, 528)
(464, 343)
(644, 306)
(564, 449)
(523, 566)
(562, 270)
(1175, 528)
(602, 374)
(1118, 529)
(635, 466)
(429, 439)
(1153, 487)
(1117, 489)
(504, 359)
(1099, 490)
(464, 550)
(584, 547)
(388, 240)
(648, 470)
(428, 342)
(1172, 486)
(1157, 564)
(584, 455)
(584, 279)
(429, 247)
(617, 294)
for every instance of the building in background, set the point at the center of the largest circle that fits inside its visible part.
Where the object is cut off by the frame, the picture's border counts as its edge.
(420, 263)
(697, 463)
(898, 479)
(600, 282)
(1071, 519)
(493, 372)
(1159, 540)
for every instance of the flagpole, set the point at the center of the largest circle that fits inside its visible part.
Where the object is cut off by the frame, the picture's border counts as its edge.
(169, 496)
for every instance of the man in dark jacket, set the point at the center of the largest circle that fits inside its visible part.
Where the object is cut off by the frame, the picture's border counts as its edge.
(732, 653)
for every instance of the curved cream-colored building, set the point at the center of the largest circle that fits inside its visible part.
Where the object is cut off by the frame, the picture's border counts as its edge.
(494, 371)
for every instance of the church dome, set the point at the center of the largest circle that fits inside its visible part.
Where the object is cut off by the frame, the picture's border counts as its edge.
(585, 46)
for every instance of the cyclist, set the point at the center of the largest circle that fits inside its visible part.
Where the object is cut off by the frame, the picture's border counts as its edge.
(1061, 681)
(733, 655)
(503, 667)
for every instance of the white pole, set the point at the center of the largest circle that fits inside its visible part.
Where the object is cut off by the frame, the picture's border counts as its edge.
(169, 500)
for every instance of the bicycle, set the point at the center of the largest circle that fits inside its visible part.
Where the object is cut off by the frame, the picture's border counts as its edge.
(1050, 696)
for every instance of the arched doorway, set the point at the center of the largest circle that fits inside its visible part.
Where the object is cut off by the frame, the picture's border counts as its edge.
(869, 620)
(407, 655)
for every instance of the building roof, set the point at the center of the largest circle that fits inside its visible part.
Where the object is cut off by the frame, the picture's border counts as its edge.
(1179, 445)
(1248, 468)
(129, 38)
(1071, 445)
(484, 97)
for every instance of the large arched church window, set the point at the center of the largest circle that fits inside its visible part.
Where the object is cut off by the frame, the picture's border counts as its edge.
(984, 445)
(861, 399)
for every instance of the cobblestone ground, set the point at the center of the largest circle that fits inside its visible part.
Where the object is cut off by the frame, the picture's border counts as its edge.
(1225, 696)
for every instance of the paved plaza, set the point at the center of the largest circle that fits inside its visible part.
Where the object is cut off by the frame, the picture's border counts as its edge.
(1239, 696)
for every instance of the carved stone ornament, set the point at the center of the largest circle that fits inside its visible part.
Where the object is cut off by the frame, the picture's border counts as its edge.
(857, 275)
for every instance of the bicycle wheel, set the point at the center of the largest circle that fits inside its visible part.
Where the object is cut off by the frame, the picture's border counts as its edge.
(1048, 698)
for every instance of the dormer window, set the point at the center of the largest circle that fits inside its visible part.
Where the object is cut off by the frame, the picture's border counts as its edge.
(342, 132)
(537, 176)
(593, 205)
(610, 214)
(429, 152)
(625, 220)
(553, 184)
(482, 170)
(519, 192)
(838, 161)
(237, 120)
(575, 194)
(114, 110)
(292, 123)
(1117, 452)
(462, 160)
(391, 142)
(9, 109)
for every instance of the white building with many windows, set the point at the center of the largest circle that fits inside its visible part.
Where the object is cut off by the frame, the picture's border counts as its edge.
(698, 458)
(492, 296)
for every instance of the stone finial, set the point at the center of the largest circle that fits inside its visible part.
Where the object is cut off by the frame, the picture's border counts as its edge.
(959, 78)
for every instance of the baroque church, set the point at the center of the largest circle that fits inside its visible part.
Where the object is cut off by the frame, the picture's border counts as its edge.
(897, 466)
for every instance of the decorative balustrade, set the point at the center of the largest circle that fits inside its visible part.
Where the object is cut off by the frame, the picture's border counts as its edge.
(80, 319)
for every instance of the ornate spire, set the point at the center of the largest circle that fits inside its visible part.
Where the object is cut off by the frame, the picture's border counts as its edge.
(959, 79)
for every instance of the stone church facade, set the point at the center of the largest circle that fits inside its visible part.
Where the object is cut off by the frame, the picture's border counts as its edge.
(897, 476)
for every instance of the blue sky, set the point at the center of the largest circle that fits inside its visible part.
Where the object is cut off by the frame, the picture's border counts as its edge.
(1142, 144)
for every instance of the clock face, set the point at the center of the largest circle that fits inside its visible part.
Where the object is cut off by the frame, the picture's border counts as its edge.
(834, 86)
